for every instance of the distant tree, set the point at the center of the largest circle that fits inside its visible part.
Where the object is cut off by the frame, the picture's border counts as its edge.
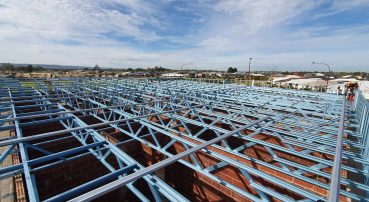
(130, 69)
(7, 67)
(160, 69)
(365, 75)
(232, 69)
(96, 68)
(29, 68)
(85, 69)
(38, 69)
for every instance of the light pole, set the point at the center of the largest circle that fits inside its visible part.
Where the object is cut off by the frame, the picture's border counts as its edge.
(275, 67)
(249, 68)
(329, 70)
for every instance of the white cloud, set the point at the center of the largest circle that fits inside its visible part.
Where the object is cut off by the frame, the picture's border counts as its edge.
(265, 13)
(216, 42)
(66, 19)
(343, 5)
(72, 32)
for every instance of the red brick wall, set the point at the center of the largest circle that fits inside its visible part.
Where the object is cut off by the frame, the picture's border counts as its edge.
(62, 177)
(68, 175)
(193, 185)
(198, 187)
(71, 174)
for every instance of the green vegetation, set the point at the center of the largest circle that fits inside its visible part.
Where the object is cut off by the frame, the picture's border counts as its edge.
(28, 68)
(31, 84)
(232, 70)
(154, 69)
(97, 68)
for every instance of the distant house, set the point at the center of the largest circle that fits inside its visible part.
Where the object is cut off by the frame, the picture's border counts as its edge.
(136, 74)
(352, 77)
(309, 75)
(278, 75)
(345, 80)
(6, 75)
(33, 75)
(364, 87)
(257, 75)
(173, 75)
(122, 74)
(303, 83)
(107, 74)
(279, 79)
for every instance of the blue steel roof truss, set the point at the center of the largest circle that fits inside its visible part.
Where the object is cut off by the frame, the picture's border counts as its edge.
(102, 150)
(185, 113)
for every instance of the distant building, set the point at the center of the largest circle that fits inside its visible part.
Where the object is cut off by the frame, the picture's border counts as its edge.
(311, 83)
(257, 75)
(364, 87)
(173, 75)
(352, 77)
(278, 79)
(136, 74)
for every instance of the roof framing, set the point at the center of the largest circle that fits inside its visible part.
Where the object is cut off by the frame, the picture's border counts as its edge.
(322, 129)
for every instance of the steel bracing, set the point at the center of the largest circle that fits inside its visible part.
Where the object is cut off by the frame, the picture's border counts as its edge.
(304, 137)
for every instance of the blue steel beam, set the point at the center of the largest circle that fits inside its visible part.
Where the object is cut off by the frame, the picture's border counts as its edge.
(155, 147)
(323, 186)
(213, 177)
(164, 189)
(116, 184)
(29, 178)
(32, 188)
(91, 185)
(159, 185)
(169, 155)
(62, 132)
(334, 192)
(316, 118)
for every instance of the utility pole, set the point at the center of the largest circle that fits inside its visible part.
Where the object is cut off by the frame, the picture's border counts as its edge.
(329, 70)
(249, 69)
(275, 67)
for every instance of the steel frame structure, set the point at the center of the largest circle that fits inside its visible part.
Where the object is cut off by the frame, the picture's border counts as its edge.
(325, 130)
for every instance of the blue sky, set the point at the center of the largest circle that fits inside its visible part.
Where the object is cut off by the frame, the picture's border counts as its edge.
(210, 34)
